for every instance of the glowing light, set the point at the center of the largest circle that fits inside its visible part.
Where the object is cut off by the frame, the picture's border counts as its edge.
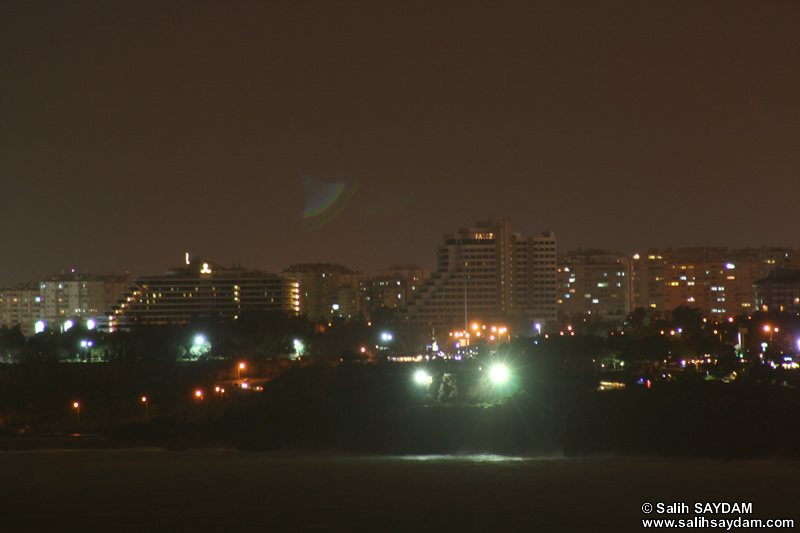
(76, 405)
(206, 269)
(422, 377)
(199, 340)
(91, 323)
(198, 393)
(499, 373)
(68, 324)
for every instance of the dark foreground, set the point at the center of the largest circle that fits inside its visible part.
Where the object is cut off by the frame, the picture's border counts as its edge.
(225, 490)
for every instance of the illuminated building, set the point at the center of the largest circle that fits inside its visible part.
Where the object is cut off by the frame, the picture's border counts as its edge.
(647, 280)
(201, 290)
(60, 301)
(20, 306)
(541, 269)
(593, 282)
(488, 272)
(69, 297)
(397, 285)
(329, 289)
(780, 291)
(715, 280)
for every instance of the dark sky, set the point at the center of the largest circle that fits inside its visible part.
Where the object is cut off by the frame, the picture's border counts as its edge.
(131, 132)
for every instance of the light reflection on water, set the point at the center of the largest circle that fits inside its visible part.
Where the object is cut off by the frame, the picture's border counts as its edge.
(467, 458)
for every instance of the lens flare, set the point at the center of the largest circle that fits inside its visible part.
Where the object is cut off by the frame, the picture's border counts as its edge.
(323, 200)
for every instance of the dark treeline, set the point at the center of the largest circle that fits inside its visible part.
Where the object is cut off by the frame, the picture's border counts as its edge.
(733, 401)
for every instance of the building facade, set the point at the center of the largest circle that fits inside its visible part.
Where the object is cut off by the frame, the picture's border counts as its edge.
(594, 282)
(395, 286)
(780, 291)
(19, 306)
(200, 290)
(330, 290)
(487, 273)
(716, 280)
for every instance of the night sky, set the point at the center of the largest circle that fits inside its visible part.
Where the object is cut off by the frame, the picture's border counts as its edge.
(132, 132)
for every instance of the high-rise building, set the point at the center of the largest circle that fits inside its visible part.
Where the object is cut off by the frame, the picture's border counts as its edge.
(488, 273)
(19, 305)
(201, 289)
(647, 280)
(541, 268)
(716, 280)
(71, 296)
(328, 290)
(395, 286)
(594, 282)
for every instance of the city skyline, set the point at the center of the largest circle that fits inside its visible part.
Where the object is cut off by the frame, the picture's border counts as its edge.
(269, 134)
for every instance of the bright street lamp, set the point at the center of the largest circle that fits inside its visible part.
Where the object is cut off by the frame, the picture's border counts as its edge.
(422, 377)
(770, 330)
(499, 374)
(144, 400)
(77, 407)
(239, 369)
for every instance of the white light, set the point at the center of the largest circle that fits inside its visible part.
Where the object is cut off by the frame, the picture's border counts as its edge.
(421, 377)
(68, 324)
(40, 326)
(199, 340)
(499, 373)
(335, 307)
(91, 323)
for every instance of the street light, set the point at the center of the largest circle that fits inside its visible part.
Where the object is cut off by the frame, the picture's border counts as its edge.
(422, 377)
(77, 407)
(144, 400)
(239, 369)
(770, 330)
(199, 394)
(499, 374)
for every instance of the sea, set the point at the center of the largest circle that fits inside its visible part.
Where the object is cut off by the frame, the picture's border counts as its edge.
(154, 489)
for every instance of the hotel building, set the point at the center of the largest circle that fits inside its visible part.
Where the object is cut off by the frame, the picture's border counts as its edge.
(201, 290)
(488, 273)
